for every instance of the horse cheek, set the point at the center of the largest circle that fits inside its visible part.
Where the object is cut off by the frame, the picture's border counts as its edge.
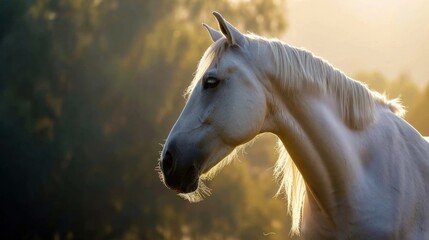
(245, 122)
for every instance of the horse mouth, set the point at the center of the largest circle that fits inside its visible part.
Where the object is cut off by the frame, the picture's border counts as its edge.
(190, 187)
(185, 183)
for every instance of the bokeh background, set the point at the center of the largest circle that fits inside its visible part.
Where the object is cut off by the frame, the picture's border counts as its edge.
(89, 89)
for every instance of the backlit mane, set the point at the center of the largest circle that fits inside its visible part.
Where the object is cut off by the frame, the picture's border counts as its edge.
(297, 69)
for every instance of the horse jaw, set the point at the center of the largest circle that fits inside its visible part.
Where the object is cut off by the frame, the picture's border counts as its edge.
(209, 172)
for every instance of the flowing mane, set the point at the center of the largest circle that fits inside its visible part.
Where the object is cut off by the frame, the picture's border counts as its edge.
(298, 67)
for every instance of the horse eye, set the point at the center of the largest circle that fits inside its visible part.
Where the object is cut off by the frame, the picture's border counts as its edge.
(210, 82)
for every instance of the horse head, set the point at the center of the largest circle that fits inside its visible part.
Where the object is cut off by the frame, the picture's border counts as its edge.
(226, 108)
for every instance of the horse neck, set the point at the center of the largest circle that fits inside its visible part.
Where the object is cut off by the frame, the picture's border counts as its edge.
(322, 145)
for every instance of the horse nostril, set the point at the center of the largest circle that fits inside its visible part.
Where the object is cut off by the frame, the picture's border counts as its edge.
(167, 163)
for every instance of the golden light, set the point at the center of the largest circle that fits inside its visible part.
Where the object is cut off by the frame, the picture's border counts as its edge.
(363, 35)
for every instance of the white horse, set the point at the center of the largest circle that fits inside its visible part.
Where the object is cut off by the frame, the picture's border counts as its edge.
(359, 171)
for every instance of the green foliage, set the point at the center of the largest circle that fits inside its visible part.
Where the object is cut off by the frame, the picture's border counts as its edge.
(88, 90)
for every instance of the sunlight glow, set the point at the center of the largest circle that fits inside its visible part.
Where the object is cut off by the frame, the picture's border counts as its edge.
(387, 35)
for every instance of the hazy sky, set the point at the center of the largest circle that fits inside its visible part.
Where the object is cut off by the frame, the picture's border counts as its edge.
(391, 36)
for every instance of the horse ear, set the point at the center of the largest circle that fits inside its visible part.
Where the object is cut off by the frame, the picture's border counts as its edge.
(233, 36)
(214, 34)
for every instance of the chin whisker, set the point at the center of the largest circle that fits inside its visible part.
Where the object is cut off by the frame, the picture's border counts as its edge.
(198, 195)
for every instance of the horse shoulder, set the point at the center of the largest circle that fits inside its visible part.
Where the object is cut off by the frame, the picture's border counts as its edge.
(396, 167)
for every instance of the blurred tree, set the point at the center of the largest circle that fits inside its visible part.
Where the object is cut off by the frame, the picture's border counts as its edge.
(375, 80)
(406, 89)
(419, 114)
(88, 90)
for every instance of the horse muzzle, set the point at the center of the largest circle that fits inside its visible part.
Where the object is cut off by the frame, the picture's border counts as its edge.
(178, 169)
